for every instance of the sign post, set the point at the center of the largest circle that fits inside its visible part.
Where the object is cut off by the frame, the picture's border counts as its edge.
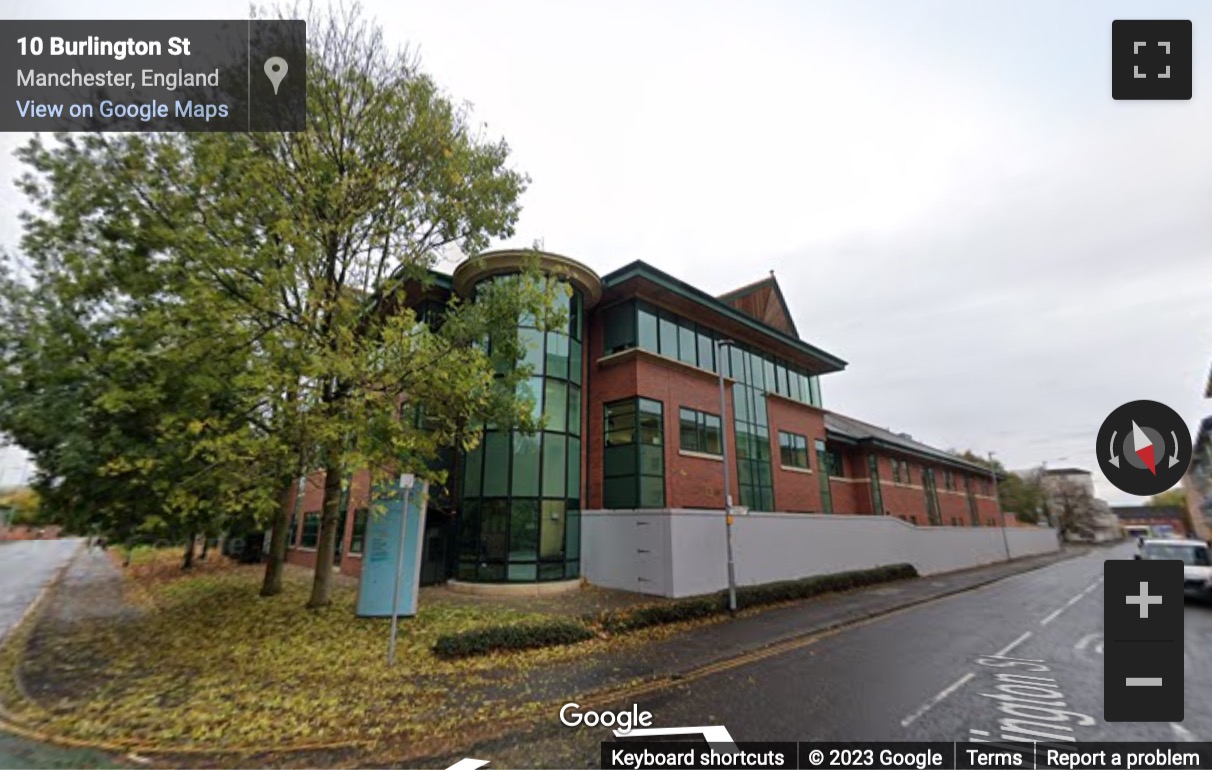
(406, 480)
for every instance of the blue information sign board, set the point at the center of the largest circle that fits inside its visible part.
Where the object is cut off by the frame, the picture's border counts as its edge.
(385, 542)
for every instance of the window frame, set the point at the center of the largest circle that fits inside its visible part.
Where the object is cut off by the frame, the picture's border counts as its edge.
(790, 447)
(700, 429)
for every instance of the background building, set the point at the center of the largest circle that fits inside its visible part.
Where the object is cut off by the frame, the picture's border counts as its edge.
(1153, 520)
(1072, 504)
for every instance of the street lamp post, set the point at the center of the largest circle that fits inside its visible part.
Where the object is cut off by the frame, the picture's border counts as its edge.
(997, 500)
(719, 367)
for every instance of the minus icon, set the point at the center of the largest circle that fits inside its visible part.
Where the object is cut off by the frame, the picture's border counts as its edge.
(1143, 681)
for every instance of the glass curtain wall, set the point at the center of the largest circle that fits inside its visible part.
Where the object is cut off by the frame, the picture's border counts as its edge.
(521, 503)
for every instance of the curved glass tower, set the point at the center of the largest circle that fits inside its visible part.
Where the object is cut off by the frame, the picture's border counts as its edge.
(521, 494)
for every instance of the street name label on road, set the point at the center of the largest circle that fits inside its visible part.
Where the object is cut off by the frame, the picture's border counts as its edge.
(643, 755)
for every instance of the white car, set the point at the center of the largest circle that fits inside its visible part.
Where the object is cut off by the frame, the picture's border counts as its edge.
(1197, 566)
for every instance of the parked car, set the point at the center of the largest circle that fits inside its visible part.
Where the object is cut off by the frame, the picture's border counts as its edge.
(1197, 566)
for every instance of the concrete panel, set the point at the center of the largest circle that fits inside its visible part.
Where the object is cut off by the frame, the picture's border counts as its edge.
(628, 550)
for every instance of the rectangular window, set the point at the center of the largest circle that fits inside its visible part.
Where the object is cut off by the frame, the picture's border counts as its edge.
(793, 450)
(619, 327)
(633, 461)
(877, 494)
(706, 350)
(699, 431)
(687, 344)
(294, 530)
(557, 355)
(896, 471)
(905, 472)
(822, 464)
(357, 541)
(834, 459)
(496, 464)
(948, 481)
(669, 336)
(555, 405)
(647, 325)
(525, 465)
(311, 529)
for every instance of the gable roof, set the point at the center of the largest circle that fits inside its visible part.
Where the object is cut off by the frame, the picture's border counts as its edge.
(840, 427)
(764, 301)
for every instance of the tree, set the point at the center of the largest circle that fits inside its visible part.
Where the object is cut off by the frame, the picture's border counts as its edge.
(1023, 496)
(1075, 506)
(207, 317)
(23, 502)
(1171, 497)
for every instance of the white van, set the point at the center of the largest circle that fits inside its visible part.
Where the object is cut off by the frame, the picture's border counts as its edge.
(1197, 566)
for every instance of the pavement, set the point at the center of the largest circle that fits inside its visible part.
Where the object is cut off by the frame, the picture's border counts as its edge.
(27, 567)
(925, 672)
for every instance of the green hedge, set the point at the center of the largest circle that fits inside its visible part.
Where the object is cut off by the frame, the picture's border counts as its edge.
(516, 637)
(790, 590)
(621, 621)
(566, 631)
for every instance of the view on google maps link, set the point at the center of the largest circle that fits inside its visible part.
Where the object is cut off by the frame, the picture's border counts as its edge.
(644, 385)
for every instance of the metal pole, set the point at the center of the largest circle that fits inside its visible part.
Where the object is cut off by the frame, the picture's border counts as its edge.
(395, 592)
(997, 499)
(719, 367)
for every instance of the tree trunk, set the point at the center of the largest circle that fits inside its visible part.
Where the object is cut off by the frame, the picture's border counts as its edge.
(188, 561)
(321, 587)
(279, 536)
(205, 547)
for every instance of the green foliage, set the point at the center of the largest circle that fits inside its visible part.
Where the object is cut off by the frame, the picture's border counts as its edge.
(1022, 496)
(512, 637)
(791, 590)
(693, 608)
(193, 319)
(1171, 497)
(696, 607)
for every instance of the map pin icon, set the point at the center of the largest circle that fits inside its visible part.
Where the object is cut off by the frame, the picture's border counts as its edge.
(275, 70)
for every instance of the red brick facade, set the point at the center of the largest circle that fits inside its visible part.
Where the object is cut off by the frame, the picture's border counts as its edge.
(313, 499)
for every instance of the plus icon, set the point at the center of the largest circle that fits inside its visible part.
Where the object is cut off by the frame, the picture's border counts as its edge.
(1151, 59)
(1144, 600)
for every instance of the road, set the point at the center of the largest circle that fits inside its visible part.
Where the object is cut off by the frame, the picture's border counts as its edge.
(26, 567)
(924, 673)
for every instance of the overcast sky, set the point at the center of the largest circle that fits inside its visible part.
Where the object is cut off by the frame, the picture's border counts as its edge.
(947, 193)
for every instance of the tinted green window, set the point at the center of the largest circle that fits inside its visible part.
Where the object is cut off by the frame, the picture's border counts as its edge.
(574, 468)
(555, 406)
(472, 469)
(822, 465)
(524, 530)
(577, 316)
(574, 410)
(532, 349)
(531, 391)
(496, 464)
(877, 495)
(526, 465)
(557, 355)
(494, 532)
(687, 345)
(619, 327)
(699, 431)
(554, 465)
(358, 539)
(793, 450)
(574, 362)
(469, 531)
(572, 537)
(669, 337)
(648, 329)
(551, 543)
(311, 529)
(706, 350)
(633, 461)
